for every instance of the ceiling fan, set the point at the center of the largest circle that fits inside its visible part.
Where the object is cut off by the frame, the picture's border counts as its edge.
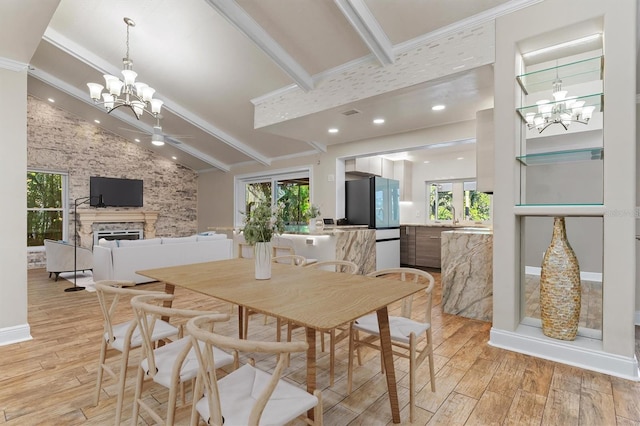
(158, 137)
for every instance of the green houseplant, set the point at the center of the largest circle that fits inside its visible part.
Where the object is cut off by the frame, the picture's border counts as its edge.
(260, 224)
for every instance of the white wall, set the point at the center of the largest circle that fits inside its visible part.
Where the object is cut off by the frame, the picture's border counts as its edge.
(440, 167)
(13, 226)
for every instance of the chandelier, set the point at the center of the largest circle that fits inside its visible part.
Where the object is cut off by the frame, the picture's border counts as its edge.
(137, 96)
(562, 110)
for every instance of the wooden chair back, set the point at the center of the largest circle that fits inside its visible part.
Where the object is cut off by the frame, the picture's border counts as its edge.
(109, 293)
(199, 329)
(344, 266)
(417, 276)
(290, 259)
(149, 309)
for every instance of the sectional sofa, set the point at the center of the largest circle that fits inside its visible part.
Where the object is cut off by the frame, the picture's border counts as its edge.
(119, 259)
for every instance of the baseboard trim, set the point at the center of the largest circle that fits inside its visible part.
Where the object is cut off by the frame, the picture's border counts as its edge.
(583, 352)
(585, 276)
(15, 334)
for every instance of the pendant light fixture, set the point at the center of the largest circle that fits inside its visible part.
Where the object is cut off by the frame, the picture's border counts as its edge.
(137, 96)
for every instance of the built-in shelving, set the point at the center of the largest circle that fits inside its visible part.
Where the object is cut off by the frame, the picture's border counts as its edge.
(595, 100)
(573, 73)
(565, 156)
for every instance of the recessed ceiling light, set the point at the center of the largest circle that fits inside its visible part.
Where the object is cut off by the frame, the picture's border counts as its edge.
(137, 140)
(426, 162)
(157, 143)
(437, 107)
(378, 121)
(333, 130)
(96, 121)
(51, 100)
(173, 157)
(460, 158)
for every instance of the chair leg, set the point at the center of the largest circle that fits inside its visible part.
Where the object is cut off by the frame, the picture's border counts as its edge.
(57, 276)
(432, 369)
(412, 376)
(137, 396)
(332, 355)
(103, 355)
(197, 394)
(318, 409)
(121, 383)
(171, 403)
(350, 359)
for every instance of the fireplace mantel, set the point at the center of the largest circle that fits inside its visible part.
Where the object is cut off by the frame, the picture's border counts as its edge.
(87, 217)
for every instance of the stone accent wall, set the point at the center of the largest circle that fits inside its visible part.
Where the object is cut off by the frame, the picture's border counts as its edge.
(60, 141)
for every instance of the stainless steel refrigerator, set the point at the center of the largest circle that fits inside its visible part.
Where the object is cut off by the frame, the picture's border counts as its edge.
(375, 202)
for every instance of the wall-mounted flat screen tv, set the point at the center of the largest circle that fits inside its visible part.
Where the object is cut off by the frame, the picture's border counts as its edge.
(115, 192)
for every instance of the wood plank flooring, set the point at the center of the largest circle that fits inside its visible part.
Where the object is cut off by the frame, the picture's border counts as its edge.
(50, 379)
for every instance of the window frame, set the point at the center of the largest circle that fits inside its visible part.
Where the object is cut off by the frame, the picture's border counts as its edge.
(458, 200)
(64, 204)
(273, 176)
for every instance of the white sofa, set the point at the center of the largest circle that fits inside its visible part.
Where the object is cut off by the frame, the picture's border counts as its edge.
(60, 258)
(118, 260)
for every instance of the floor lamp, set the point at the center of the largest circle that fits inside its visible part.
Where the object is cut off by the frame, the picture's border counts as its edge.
(78, 202)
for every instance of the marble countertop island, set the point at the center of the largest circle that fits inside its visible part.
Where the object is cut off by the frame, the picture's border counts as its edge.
(467, 273)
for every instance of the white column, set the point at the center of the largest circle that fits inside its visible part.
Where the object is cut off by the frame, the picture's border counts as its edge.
(13, 222)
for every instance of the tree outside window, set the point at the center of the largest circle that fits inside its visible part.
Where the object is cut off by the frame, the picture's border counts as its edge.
(45, 207)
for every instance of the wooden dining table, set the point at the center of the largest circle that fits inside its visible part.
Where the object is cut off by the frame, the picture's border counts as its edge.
(316, 299)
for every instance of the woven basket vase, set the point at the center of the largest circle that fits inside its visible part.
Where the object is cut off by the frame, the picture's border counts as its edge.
(560, 290)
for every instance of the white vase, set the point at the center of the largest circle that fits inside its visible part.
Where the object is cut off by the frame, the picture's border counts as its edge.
(262, 256)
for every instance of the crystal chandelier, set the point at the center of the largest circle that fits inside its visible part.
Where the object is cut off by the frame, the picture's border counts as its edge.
(137, 96)
(562, 110)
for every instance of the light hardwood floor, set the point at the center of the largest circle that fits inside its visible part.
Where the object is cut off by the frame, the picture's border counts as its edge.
(50, 379)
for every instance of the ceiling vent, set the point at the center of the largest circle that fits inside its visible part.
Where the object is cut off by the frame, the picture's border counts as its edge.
(350, 112)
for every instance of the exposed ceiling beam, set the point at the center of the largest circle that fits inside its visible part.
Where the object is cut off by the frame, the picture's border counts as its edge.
(11, 65)
(102, 67)
(124, 117)
(245, 24)
(368, 28)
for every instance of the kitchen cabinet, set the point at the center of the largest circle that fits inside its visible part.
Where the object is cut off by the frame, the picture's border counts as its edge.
(428, 242)
(403, 172)
(364, 166)
(408, 245)
(387, 168)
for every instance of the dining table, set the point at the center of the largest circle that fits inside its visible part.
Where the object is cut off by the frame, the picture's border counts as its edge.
(316, 299)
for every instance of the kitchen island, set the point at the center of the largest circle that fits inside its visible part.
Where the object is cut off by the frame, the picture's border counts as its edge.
(355, 243)
(467, 273)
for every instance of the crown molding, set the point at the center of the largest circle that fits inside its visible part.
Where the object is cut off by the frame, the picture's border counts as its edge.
(11, 65)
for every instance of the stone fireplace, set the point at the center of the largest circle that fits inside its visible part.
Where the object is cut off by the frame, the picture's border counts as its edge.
(88, 218)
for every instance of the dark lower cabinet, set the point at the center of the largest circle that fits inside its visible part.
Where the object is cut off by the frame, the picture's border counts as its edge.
(420, 245)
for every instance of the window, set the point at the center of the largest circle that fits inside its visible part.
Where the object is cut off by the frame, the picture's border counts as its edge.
(460, 197)
(290, 189)
(46, 207)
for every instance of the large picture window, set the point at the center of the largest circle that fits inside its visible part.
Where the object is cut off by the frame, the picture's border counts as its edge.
(46, 207)
(444, 198)
(289, 189)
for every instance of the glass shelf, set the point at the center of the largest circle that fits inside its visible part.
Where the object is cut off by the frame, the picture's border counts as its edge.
(573, 73)
(596, 100)
(585, 154)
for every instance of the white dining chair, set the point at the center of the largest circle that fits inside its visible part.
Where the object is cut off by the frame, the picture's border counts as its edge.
(122, 337)
(406, 332)
(248, 395)
(173, 364)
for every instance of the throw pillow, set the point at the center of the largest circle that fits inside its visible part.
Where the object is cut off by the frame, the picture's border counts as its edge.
(111, 244)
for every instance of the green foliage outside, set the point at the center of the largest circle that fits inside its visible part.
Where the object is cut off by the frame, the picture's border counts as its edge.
(44, 208)
(479, 206)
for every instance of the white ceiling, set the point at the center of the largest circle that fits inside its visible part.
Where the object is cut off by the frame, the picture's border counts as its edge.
(208, 59)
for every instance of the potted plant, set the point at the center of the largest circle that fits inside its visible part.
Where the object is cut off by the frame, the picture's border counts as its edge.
(260, 224)
(311, 214)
